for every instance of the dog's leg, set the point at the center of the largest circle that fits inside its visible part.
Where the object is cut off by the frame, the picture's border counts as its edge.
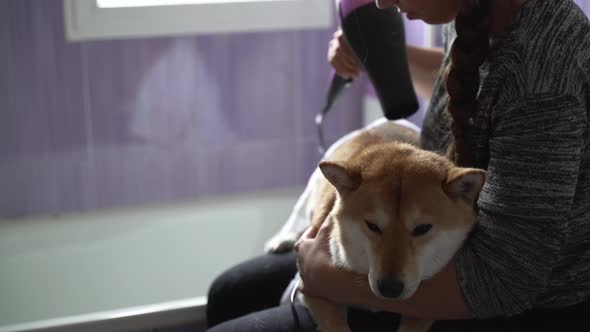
(299, 220)
(329, 316)
(409, 324)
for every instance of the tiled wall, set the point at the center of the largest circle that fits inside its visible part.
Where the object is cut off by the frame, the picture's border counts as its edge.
(105, 124)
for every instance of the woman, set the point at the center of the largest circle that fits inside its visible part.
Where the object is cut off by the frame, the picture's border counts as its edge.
(512, 98)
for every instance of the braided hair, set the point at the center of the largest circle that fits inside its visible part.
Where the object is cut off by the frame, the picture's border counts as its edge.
(468, 52)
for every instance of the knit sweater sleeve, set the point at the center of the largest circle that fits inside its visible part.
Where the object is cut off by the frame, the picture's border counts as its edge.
(534, 156)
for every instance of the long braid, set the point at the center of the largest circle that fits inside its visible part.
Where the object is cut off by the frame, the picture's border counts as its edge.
(468, 52)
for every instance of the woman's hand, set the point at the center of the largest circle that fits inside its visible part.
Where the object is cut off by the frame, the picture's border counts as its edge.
(439, 297)
(342, 58)
(314, 260)
(321, 277)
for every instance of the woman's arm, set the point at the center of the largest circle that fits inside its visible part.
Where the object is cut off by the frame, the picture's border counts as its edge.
(425, 64)
(505, 267)
(437, 298)
(536, 151)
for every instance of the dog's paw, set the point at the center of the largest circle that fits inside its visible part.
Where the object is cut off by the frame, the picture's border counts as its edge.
(281, 243)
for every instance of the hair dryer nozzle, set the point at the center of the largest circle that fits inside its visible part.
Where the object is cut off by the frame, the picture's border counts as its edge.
(377, 37)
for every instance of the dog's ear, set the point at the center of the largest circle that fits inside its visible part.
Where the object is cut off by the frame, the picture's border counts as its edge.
(341, 176)
(464, 183)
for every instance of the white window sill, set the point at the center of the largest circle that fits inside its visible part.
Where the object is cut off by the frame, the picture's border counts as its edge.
(142, 318)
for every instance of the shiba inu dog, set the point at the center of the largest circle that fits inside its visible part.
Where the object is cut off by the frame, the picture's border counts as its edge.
(400, 214)
(299, 220)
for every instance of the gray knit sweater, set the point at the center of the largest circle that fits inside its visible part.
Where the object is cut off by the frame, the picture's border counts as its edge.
(531, 247)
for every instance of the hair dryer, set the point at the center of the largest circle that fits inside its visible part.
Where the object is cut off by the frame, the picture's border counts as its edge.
(377, 37)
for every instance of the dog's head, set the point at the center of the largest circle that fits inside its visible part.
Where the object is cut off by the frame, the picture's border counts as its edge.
(405, 211)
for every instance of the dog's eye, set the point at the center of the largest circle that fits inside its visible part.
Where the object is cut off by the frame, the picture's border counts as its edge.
(373, 227)
(421, 229)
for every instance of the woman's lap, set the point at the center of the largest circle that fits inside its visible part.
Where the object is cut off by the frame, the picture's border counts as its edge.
(277, 319)
(246, 298)
(251, 286)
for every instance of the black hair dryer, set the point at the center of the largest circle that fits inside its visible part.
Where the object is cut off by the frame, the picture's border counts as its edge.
(377, 37)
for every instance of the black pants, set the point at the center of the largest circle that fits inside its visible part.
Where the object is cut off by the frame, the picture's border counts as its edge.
(246, 299)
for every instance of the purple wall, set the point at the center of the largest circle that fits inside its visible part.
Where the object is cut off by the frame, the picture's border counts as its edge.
(94, 125)
(115, 123)
(584, 4)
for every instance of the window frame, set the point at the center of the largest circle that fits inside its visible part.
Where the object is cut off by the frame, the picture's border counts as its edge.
(84, 20)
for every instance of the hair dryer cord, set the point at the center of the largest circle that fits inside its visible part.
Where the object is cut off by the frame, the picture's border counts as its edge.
(336, 86)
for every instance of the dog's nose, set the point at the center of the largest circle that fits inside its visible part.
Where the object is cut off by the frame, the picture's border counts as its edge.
(390, 287)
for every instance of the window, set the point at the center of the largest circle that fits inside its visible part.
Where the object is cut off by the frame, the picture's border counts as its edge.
(108, 19)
